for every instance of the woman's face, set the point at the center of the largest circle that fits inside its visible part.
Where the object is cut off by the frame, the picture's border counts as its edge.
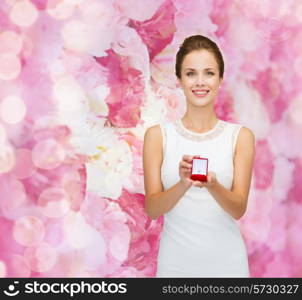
(200, 77)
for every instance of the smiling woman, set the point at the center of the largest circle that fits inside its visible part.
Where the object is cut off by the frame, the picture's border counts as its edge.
(200, 236)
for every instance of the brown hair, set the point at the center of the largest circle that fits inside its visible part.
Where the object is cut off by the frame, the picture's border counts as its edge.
(198, 42)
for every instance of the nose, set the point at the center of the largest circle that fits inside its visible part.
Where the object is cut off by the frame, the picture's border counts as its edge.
(200, 80)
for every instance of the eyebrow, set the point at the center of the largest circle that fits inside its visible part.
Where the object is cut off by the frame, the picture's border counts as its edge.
(204, 69)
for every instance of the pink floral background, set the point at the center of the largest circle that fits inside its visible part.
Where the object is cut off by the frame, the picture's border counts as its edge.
(81, 81)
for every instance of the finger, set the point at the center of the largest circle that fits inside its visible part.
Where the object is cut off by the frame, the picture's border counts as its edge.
(212, 174)
(187, 158)
(185, 164)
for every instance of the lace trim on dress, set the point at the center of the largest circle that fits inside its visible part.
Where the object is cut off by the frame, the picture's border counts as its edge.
(198, 137)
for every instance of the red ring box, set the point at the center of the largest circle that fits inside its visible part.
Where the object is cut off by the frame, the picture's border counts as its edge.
(199, 168)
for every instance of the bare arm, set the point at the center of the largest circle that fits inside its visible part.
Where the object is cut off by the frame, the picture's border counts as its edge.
(234, 201)
(157, 201)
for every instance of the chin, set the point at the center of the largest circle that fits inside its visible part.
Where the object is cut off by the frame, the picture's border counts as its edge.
(201, 102)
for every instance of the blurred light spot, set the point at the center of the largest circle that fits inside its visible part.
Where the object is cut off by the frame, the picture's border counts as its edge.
(12, 200)
(94, 255)
(24, 166)
(10, 66)
(56, 69)
(41, 258)
(48, 154)
(2, 135)
(18, 266)
(10, 42)
(60, 10)
(42, 127)
(97, 12)
(77, 36)
(7, 158)
(28, 231)
(12, 109)
(54, 202)
(23, 13)
(2, 269)
(69, 94)
(78, 233)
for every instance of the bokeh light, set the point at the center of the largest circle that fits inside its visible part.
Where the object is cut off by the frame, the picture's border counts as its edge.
(10, 42)
(3, 135)
(60, 10)
(48, 154)
(7, 158)
(41, 258)
(23, 13)
(10, 66)
(19, 266)
(77, 35)
(11, 203)
(69, 94)
(54, 202)
(78, 233)
(24, 166)
(82, 80)
(29, 231)
(12, 109)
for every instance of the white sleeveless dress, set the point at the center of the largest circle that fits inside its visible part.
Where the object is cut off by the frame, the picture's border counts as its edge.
(199, 238)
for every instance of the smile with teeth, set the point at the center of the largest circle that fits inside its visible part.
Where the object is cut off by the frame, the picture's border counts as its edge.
(200, 93)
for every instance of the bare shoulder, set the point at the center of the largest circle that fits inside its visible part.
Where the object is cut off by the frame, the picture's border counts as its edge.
(152, 160)
(247, 133)
(153, 135)
(154, 130)
(246, 139)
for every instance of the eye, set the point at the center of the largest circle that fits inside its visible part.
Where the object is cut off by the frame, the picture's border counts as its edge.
(190, 73)
(210, 73)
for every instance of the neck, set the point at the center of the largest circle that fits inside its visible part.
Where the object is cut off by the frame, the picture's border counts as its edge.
(200, 123)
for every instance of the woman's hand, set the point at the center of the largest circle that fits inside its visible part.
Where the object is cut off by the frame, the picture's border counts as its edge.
(211, 181)
(185, 167)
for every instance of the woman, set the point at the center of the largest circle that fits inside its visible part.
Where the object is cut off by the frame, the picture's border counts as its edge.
(200, 236)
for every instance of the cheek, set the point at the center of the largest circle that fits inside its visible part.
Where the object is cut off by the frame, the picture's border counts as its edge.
(188, 83)
(215, 83)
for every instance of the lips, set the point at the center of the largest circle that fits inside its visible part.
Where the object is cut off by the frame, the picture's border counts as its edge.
(200, 93)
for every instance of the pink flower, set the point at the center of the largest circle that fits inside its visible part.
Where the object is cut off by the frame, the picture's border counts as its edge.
(145, 234)
(141, 12)
(108, 219)
(158, 31)
(264, 167)
(126, 90)
(259, 259)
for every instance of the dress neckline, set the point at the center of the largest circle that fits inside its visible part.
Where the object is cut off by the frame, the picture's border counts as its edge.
(196, 133)
(199, 137)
